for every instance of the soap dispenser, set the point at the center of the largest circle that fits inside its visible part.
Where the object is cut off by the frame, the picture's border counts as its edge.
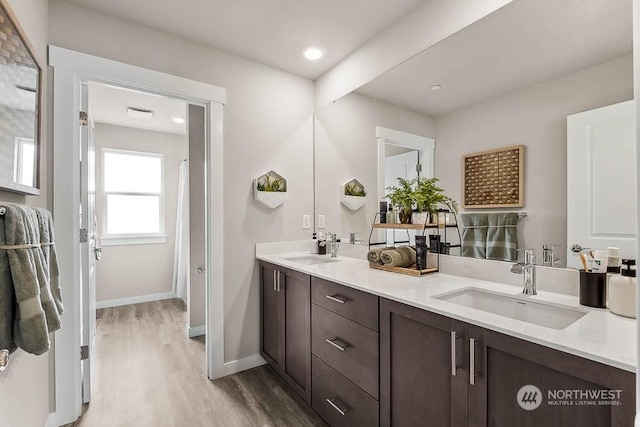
(622, 290)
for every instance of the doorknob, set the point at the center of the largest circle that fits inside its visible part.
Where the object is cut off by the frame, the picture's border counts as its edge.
(576, 248)
(200, 270)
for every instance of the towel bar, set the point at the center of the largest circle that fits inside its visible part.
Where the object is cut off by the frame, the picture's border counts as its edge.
(521, 214)
(3, 210)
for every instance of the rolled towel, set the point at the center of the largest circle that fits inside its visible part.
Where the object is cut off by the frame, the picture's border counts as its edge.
(374, 254)
(404, 256)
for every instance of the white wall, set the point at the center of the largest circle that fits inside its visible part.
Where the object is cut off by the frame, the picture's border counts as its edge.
(421, 28)
(346, 148)
(26, 386)
(268, 125)
(135, 270)
(535, 117)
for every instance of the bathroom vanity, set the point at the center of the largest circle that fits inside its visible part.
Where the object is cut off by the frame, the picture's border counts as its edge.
(368, 348)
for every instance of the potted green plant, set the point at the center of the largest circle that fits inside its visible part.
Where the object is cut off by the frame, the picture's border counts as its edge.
(270, 189)
(353, 195)
(429, 197)
(403, 196)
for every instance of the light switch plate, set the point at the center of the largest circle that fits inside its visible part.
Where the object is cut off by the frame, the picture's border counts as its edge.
(306, 222)
(320, 221)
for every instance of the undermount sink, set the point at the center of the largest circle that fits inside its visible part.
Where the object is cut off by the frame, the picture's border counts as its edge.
(312, 259)
(515, 307)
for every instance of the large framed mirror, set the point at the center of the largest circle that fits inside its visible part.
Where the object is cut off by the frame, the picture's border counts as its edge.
(513, 78)
(20, 108)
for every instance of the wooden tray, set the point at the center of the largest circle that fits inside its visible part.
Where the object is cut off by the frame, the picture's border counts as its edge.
(410, 271)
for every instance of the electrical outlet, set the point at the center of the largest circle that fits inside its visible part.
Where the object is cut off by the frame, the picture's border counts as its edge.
(306, 222)
(320, 221)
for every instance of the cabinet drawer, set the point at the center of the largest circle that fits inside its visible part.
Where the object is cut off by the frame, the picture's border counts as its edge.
(353, 407)
(349, 348)
(353, 304)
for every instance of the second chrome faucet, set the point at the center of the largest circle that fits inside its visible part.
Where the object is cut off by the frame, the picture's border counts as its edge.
(528, 270)
(332, 240)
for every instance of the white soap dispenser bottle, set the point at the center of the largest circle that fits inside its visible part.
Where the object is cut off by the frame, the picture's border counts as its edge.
(622, 290)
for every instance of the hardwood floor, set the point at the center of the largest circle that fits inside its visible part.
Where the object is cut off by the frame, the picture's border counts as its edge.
(148, 373)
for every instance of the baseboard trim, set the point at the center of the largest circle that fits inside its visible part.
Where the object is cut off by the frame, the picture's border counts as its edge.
(135, 300)
(243, 364)
(195, 331)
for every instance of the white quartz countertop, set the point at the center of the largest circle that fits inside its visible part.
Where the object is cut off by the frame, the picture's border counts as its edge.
(599, 335)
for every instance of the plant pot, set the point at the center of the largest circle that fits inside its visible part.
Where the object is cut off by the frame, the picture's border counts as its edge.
(421, 217)
(405, 215)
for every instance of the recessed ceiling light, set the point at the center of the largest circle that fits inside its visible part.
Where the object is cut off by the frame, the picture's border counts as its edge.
(178, 120)
(313, 53)
(436, 87)
(139, 113)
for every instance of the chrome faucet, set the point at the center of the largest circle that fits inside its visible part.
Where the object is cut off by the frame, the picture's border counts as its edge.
(528, 270)
(548, 259)
(332, 239)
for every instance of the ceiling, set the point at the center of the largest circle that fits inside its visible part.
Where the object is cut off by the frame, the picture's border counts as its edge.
(273, 32)
(108, 104)
(522, 44)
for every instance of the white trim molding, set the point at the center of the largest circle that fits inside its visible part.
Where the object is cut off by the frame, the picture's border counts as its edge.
(134, 300)
(70, 69)
(195, 331)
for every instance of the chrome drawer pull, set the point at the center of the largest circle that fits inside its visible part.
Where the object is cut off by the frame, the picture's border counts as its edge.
(336, 299)
(472, 361)
(336, 407)
(336, 345)
(454, 358)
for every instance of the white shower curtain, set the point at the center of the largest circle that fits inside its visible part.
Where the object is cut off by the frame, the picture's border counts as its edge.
(181, 258)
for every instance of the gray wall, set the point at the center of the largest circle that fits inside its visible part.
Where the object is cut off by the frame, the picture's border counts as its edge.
(135, 270)
(537, 118)
(267, 125)
(30, 378)
(347, 147)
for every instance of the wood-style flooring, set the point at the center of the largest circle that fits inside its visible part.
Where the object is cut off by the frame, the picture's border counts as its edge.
(149, 373)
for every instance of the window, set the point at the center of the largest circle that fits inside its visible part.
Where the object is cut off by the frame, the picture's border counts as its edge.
(133, 203)
(24, 161)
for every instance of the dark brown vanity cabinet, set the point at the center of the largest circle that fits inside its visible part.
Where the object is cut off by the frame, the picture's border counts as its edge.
(425, 365)
(285, 326)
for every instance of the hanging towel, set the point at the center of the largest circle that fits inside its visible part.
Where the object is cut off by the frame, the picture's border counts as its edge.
(35, 312)
(474, 235)
(502, 236)
(7, 296)
(47, 242)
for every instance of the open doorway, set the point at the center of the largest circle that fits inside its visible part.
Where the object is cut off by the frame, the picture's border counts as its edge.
(139, 263)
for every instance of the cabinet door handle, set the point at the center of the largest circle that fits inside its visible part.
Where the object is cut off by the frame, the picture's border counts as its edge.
(275, 280)
(336, 345)
(336, 298)
(279, 276)
(472, 361)
(336, 407)
(454, 358)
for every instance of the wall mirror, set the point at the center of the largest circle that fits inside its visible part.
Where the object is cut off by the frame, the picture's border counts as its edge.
(512, 78)
(20, 104)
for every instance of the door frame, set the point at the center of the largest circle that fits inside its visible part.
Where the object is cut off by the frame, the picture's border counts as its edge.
(70, 68)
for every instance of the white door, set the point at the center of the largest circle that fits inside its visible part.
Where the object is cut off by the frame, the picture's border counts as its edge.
(403, 165)
(601, 181)
(89, 247)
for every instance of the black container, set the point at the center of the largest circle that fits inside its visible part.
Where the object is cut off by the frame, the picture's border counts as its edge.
(383, 212)
(434, 243)
(593, 289)
(421, 252)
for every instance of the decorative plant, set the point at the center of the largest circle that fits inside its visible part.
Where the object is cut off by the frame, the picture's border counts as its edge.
(354, 188)
(429, 196)
(403, 195)
(271, 183)
(423, 194)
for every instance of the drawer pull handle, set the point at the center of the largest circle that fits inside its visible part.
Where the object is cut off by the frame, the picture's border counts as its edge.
(472, 361)
(342, 347)
(454, 358)
(336, 299)
(336, 407)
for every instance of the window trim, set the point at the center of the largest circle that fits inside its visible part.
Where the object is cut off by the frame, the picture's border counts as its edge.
(18, 158)
(132, 238)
